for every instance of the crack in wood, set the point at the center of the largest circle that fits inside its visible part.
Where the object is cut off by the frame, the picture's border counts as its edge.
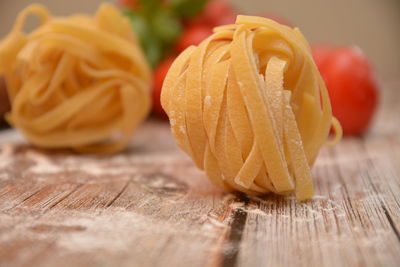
(351, 212)
(119, 193)
(385, 211)
(229, 257)
(25, 199)
(391, 222)
(66, 196)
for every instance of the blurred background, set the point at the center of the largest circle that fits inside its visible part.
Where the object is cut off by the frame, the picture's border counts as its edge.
(337, 30)
(373, 25)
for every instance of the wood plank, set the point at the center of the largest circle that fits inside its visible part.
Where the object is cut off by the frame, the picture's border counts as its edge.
(77, 207)
(350, 221)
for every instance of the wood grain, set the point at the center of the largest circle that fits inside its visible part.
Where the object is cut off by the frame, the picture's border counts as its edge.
(150, 206)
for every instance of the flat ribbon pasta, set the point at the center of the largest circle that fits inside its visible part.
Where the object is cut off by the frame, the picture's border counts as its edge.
(250, 107)
(76, 82)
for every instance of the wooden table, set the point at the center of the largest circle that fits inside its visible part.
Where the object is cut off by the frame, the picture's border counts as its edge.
(150, 206)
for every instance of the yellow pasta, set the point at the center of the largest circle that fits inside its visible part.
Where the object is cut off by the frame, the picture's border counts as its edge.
(77, 82)
(250, 107)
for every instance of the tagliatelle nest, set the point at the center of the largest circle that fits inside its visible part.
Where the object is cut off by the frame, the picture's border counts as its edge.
(76, 82)
(250, 107)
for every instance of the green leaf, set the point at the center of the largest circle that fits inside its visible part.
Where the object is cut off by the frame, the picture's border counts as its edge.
(167, 26)
(151, 44)
(188, 8)
(154, 51)
(150, 5)
(138, 22)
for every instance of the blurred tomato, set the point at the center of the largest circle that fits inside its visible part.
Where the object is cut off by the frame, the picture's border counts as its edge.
(158, 78)
(216, 12)
(277, 18)
(193, 35)
(321, 52)
(129, 3)
(351, 84)
(219, 12)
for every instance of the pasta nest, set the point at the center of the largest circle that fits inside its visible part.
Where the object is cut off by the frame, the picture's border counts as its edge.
(250, 107)
(77, 82)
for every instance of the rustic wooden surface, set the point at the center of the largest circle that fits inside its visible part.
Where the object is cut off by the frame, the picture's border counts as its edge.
(149, 206)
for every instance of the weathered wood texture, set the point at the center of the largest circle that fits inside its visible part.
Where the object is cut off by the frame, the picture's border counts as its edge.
(149, 206)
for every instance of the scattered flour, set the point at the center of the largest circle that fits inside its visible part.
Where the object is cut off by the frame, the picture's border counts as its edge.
(207, 100)
(239, 182)
(42, 163)
(5, 155)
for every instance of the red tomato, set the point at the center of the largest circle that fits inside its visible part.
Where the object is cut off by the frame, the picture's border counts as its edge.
(321, 52)
(351, 84)
(220, 13)
(129, 3)
(158, 78)
(215, 13)
(193, 36)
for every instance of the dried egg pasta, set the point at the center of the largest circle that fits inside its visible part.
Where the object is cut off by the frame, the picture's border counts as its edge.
(250, 107)
(77, 82)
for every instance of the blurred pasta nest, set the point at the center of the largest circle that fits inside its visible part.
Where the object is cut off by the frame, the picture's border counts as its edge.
(250, 107)
(77, 82)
